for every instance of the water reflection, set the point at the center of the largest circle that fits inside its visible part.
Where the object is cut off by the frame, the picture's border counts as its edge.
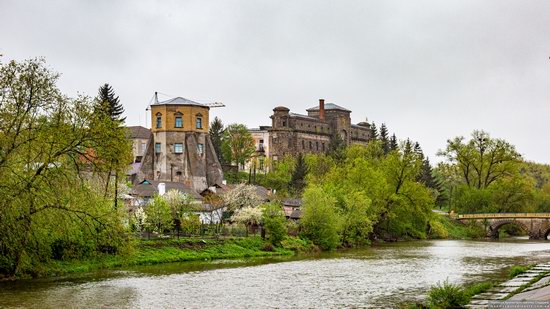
(380, 276)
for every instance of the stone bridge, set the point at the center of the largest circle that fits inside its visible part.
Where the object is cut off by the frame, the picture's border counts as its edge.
(537, 225)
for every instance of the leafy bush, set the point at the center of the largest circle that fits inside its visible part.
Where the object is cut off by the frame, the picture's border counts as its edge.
(447, 295)
(478, 288)
(274, 223)
(320, 221)
(438, 230)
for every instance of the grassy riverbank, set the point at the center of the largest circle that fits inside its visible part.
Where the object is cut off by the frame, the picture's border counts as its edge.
(443, 227)
(150, 252)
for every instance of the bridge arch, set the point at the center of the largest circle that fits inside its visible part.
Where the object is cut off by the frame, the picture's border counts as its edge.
(495, 226)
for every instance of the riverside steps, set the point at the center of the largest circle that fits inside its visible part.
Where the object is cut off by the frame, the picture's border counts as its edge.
(521, 283)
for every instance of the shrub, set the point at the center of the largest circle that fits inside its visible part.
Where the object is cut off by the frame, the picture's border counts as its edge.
(438, 230)
(321, 222)
(447, 295)
(274, 223)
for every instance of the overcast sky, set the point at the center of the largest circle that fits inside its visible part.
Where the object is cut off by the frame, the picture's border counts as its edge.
(430, 70)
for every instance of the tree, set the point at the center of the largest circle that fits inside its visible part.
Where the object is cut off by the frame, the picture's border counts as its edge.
(159, 215)
(274, 223)
(238, 144)
(384, 138)
(482, 160)
(216, 135)
(298, 180)
(393, 143)
(109, 104)
(248, 216)
(337, 147)
(373, 132)
(320, 220)
(242, 196)
(52, 149)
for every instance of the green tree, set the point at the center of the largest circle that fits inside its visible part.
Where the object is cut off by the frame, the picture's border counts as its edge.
(337, 147)
(238, 144)
(394, 145)
(298, 180)
(373, 132)
(274, 223)
(216, 135)
(109, 104)
(52, 149)
(384, 138)
(159, 215)
(482, 160)
(321, 222)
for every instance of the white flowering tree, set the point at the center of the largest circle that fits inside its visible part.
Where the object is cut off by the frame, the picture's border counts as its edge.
(140, 218)
(249, 216)
(242, 196)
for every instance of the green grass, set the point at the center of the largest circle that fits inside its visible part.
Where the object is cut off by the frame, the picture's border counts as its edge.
(452, 229)
(150, 252)
(518, 270)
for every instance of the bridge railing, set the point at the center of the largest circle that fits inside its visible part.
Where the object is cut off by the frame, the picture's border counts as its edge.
(504, 215)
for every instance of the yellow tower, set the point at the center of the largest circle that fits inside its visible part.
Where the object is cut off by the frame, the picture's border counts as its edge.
(180, 149)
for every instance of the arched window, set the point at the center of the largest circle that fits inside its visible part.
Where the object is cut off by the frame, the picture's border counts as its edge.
(159, 120)
(178, 122)
(199, 121)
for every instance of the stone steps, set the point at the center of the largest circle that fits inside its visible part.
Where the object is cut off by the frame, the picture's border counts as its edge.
(513, 285)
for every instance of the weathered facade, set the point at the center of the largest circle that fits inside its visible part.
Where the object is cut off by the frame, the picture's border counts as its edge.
(293, 133)
(140, 137)
(180, 149)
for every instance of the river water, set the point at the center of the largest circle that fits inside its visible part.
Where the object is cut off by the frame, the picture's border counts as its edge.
(382, 276)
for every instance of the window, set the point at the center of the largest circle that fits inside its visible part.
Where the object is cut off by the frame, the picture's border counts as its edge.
(143, 146)
(284, 123)
(317, 146)
(199, 122)
(157, 147)
(323, 146)
(303, 144)
(178, 148)
(179, 121)
(200, 149)
(159, 120)
(310, 145)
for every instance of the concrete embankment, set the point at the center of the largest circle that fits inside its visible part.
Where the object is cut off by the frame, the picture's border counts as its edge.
(529, 286)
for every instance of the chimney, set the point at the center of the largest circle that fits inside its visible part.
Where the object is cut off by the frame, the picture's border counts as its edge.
(156, 98)
(322, 109)
(162, 188)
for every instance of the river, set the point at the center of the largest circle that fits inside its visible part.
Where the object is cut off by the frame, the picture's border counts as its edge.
(384, 275)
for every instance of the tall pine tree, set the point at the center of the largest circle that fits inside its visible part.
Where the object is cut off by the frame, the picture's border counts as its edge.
(216, 136)
(298, 180)
(109, 104)
(393, 143)
(337, 147)
(384, 138)
(373, 132)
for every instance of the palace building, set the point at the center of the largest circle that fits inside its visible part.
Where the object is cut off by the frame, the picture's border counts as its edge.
(179, 148)
(291, 133)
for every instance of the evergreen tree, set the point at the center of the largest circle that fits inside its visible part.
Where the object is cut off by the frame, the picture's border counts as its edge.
(393, 143)
(426, 175)
(337, 147)
(216, 136)
(373, 132)
(109, 104)
(418, 150)
(408, 149)
(298, 180)
(384, 138)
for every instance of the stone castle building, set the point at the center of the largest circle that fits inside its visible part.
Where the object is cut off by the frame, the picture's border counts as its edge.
(293, 133)
(179, 148)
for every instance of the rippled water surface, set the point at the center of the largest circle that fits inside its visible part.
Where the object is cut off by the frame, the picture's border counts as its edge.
(380, 276)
